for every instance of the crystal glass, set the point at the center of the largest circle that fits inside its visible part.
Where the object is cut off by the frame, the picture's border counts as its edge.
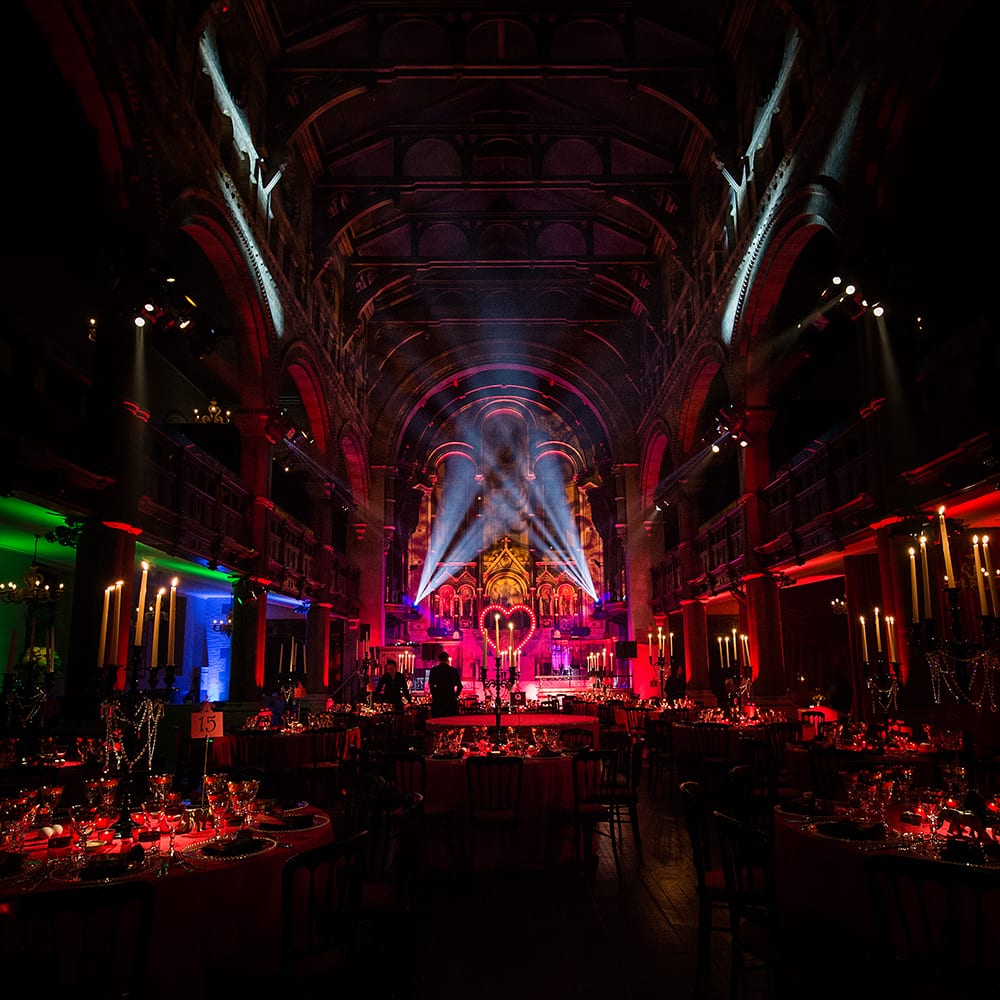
(174, 814)
(931, 801)
(92, 791)
(160, 784)
(48, 799)
(153, 810)
(243, 793)
(84, 823)
(108, 784)
(218, 805)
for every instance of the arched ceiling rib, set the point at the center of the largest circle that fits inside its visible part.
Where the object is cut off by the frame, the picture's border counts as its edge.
(502, 186)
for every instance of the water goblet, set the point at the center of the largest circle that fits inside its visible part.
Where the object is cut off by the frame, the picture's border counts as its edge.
(92, 791)
(173, 815)
(154, 809)
(243, 793)
(160, 784)
(48, 799)
(84, 819)
(108, 785)
(218, 805)
(931, 801)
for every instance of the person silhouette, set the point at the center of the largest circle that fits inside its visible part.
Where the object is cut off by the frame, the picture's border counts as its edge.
(445, 684)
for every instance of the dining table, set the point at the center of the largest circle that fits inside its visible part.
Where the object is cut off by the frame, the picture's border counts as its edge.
(213, 911)
(282, 749)
(516, 720)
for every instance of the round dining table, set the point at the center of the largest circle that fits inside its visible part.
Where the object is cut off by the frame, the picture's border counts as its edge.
(212, 913)
(519, 720)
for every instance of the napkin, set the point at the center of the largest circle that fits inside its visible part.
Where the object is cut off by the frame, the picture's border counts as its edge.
(849, 829)
(10, 863)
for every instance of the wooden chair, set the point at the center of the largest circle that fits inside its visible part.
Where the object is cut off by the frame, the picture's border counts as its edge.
(635, 721)
(595, 791)
(82, 940)
(406, 770)
(493, 786)
(319, 778)
(939, 926)
(321, 893)
(576, 738)
(747, 860)
(659, 741)
(629, 753)
(710, 884)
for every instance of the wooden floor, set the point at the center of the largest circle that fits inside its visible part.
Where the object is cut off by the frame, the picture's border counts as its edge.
(561, 934)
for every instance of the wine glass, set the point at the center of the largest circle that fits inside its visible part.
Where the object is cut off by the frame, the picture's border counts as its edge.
(48, 799)
(243, 793)
(160, 784)
(931, 800)
(218, 805)
(84, 819)
(173, 816)
(108, 785)
(153, 810)
(92, 790)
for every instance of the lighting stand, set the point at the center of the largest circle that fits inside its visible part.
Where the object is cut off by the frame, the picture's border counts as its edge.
(131, 719)
(499, 685)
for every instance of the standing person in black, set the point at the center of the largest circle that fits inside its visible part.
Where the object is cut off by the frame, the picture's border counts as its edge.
(445, 684)
(392, 687)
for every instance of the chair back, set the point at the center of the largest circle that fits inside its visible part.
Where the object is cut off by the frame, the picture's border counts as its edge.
(494, 787)
(97, 935)
(576, 738)
(746, 857)
(778, 735)
(696, 819)
(712, 740)
(321, 893)
(939, 922)
(406, 770)
(635, 720)
(595, 777)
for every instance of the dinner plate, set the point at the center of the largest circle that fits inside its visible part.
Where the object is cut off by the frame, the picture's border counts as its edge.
(297, 823)
(228, 851)
(806, 809)
(851, 831)
(16, 868)
(104, 868)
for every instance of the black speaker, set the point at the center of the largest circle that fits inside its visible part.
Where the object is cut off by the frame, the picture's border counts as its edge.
(626, 650)
(430, 650)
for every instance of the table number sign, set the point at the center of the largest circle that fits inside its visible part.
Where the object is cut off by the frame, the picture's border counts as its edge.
(206, 724)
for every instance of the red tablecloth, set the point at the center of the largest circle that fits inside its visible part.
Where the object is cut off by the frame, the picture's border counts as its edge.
(279, 749)
(223, 915)
(524, 720)
(546, 783)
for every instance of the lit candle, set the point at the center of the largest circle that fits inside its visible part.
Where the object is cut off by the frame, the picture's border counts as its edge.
(913, 584)
(890, 634)
(878, 634)
(651, 644)
(736, 653)
(171, 622)
(728, 661)
(103, 637)
(116, 621)
(946, 550)
(989, 574)
(671, 644)
(141, 607)
(979, 576)
(746, 649)
(864, 640)
(659, 640)
(927, 577)
(721, 661)
(157, 605)
(485, 646)
(510, 643)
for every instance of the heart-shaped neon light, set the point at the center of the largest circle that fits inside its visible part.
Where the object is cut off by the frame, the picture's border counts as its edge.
(490, 625)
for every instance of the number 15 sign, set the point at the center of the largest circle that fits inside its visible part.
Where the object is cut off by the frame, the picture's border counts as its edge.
(206, 724)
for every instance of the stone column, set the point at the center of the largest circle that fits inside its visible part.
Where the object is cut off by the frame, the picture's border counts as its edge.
(366, 549)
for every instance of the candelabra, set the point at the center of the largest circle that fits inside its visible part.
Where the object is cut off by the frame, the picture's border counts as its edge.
(132, 716)
(967, 669)
(499, 684)
(882, 676)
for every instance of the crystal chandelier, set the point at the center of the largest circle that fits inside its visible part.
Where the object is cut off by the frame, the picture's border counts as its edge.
(215, 414)
(34, 590)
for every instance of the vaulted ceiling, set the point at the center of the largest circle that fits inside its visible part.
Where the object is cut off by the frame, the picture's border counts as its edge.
(504, 193)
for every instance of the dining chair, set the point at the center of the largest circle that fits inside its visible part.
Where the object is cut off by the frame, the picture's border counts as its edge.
(629, 751)
(659, 740)
(595, 793)
(747, 861)
(91, 938)
(493, 785)
(321, 894)
(319, 777)
(406, 770)
(710, 886)
(576, 738)
(939, 926)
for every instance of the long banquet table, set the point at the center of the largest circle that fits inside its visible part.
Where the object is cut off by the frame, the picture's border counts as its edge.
(279, 749)
(210, 915)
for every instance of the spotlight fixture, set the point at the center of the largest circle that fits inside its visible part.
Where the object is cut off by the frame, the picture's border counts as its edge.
(878, 309)
(224, 625)
(140, 321)
(715, 449)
